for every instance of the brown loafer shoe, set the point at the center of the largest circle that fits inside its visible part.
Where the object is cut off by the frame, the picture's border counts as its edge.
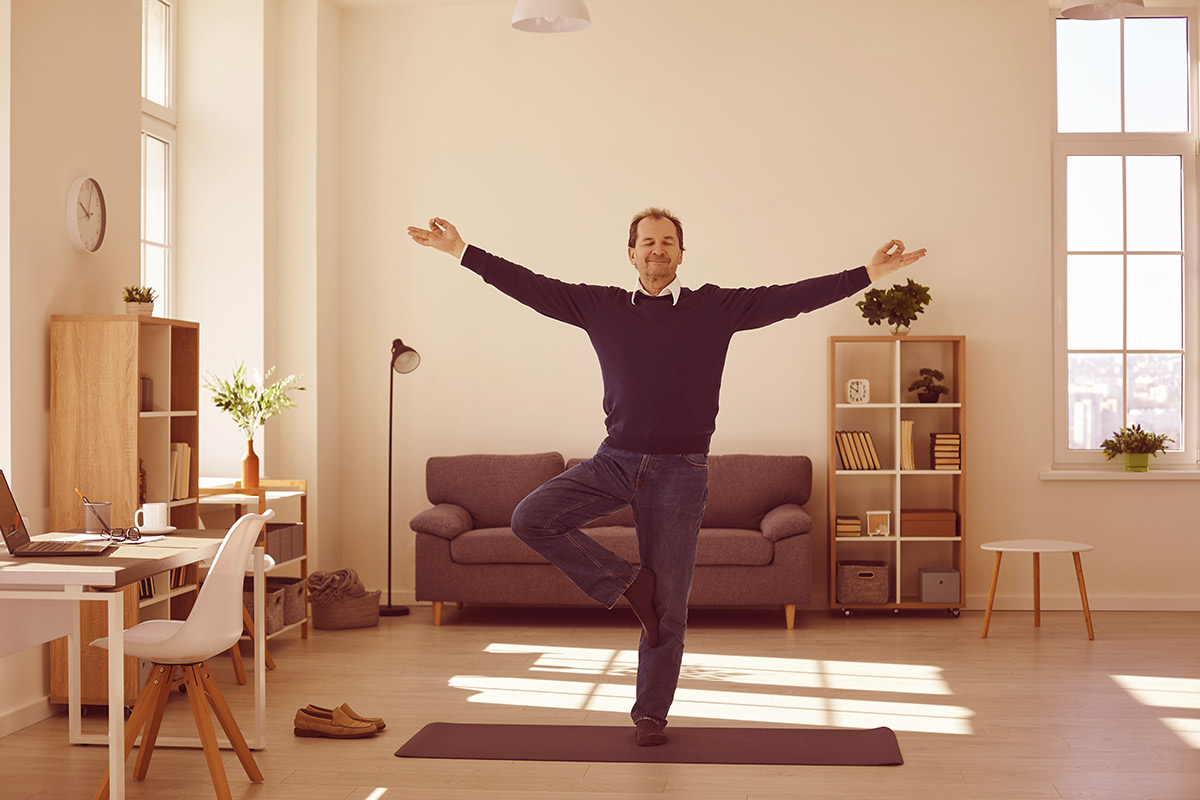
(348, 711)
(336, 726)
(650, 733)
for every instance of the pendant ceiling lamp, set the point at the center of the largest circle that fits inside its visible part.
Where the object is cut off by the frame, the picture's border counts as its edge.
(550, 16)
(1096, 9)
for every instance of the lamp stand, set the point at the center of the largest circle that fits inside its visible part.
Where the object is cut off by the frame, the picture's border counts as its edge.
(390, 610)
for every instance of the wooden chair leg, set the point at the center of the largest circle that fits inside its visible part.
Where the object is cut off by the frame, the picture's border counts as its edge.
(133, 725)
(987, 615)
(789, 615)
(437, 612)
(208, 736)
(239, 666)
(160, 674)
(249, 623)
(232, 731)
(1087, 612)
(1037, 590)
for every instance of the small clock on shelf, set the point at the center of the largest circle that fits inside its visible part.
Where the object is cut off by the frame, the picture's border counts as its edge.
(87, 215)
(858, 391)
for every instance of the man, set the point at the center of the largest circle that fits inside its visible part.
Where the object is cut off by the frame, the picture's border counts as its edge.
(662, 350)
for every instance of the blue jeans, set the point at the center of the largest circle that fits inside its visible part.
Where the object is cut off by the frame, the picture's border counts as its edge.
(668, 494)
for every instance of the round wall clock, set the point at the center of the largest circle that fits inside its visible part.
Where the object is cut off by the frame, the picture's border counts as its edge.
(858, 390)
(87, 215)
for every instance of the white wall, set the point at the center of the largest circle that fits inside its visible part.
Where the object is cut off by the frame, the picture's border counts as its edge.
(792, 138)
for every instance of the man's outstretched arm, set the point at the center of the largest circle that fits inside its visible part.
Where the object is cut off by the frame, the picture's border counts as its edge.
(441, 235)
(889, 258)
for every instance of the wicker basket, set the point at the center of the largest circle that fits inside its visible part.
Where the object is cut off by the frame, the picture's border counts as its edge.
(349, 612)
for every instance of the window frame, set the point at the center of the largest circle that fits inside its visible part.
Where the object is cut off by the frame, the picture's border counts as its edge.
(160, 122)
(1187, 147)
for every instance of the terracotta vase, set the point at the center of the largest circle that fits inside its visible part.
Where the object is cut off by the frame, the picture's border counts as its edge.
(250, 467)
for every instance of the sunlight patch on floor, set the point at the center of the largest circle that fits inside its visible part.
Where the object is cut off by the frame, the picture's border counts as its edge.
(1178, 693)
(614, 671)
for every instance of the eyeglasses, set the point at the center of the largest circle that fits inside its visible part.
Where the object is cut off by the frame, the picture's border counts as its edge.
(121, 534)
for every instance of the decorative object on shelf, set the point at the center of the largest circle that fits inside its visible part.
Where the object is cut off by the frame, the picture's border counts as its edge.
(1137, 445)
(86, 214)
(879, 523)
(251, 404)
(404, 361)
(139, 299)
(550, 16)
(1101, 9)
(899, 305)
(858, 390)
(927, 387)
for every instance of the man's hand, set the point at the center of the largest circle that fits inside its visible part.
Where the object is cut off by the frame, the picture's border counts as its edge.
(890, 258)
(440, 236)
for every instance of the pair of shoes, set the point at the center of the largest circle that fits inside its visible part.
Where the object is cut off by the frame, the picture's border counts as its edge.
(650, 733)
(640, 595)
(338, 725)
(348, 711)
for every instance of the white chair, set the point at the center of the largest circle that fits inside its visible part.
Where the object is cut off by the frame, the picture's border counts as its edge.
(212, 627)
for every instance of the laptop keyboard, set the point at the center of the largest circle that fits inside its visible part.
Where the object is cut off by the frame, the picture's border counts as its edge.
(44, 546)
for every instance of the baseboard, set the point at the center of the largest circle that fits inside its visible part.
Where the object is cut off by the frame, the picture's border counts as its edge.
(1070, 602)
(31, 714)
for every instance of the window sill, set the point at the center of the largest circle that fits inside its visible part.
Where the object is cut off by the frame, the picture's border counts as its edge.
(1160, 474)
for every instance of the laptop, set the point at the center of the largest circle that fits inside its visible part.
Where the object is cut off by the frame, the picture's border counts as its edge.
(16, 538)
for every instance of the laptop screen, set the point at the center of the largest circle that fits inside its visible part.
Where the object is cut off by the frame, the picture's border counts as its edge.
(11, 524)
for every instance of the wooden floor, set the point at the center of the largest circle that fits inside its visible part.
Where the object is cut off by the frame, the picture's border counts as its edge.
(1026, 713)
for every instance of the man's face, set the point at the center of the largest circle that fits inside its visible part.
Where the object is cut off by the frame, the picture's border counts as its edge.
(656, 253)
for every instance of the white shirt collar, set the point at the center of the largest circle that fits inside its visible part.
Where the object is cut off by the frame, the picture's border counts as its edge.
(673, 289)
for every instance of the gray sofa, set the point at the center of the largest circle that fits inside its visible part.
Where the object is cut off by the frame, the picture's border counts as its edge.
(755, 546)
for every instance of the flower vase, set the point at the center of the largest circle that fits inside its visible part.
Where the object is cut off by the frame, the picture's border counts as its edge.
(250, 467)
(1137, 462)
(899, 330)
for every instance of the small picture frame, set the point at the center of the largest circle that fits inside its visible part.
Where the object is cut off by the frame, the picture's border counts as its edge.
(879, 523)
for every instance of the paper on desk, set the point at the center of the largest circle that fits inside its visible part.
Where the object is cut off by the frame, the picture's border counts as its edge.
(95, 537)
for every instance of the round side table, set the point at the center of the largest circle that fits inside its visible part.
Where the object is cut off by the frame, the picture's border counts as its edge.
(1037, 547)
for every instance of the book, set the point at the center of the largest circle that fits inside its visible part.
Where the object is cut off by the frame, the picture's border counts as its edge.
(907, 458)
(871, 451)
(843, 454)
(860, 453)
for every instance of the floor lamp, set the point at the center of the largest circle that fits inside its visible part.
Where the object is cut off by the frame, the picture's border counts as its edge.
(404, 361)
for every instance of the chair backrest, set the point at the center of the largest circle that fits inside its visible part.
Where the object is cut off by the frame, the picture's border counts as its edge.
(215, 621)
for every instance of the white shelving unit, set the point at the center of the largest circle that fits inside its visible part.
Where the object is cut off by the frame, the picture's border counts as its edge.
(890, 364)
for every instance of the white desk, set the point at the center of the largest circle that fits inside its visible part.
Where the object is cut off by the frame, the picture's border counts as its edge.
(46, 583)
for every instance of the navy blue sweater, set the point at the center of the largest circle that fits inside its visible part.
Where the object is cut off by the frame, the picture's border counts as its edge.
(661, 363)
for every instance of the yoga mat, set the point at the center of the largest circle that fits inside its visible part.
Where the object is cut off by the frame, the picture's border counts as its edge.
(808, 746)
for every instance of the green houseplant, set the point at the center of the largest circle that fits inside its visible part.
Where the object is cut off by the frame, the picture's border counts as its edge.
(1137, 445)
(899, 305)
(139, 299)
(927, 388)
(251, 403)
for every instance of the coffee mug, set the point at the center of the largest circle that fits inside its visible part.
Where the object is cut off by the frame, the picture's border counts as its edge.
(151, 517)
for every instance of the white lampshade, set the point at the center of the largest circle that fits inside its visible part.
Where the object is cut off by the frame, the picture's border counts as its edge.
(1100, 9)
(550, 16)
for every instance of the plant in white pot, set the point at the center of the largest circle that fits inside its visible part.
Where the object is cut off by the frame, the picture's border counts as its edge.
(251, 404)
(139, 299)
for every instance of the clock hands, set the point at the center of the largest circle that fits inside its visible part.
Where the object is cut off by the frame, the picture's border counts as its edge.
(86, 213)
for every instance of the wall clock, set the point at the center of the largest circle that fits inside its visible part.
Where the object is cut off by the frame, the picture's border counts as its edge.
(87, 215)
(858, 390)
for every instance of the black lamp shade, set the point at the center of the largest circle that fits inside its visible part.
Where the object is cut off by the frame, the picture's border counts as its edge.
(404, 358)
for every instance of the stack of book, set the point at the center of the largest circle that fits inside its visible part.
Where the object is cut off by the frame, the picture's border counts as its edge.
(848, 525)
(907, 461)
(856, 450)
(145, 588)
(181, 467)
(177, 577)
(945, 450)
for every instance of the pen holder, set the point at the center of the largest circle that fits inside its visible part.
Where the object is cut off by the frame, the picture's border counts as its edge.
(94, 513)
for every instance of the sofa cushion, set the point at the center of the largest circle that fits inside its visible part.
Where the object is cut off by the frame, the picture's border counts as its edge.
(716, 547)
(743, 488)
(445, 520)
(489, 487)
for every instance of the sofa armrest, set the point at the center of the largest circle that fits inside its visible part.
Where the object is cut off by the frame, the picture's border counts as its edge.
(445, 520)
(786, 520)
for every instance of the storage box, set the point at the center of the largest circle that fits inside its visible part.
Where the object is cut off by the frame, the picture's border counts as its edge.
(272, 608)
(294, 604)
(928, 522)
(278, 542)
(862, 582)
(297, 540)
(939, 585)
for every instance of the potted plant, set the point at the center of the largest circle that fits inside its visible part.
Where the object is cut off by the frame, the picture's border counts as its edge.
(139, 299)
(926, 386)
(1137, 445)
(899, 305)
(251, 404)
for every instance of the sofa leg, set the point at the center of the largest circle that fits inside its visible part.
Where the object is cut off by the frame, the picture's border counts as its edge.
(789, 614)
(437, 612)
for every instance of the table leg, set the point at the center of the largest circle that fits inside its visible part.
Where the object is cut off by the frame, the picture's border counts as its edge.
(1037, 590)
(116, 694)
(987, 616)
(260, 648)
(74, 689)
(1087, 612)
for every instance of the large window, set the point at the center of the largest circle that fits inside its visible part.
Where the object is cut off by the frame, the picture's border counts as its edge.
(158, 149)
(1125, 234)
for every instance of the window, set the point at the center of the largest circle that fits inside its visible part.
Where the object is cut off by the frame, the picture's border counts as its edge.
(1125, 273)
(158, 149)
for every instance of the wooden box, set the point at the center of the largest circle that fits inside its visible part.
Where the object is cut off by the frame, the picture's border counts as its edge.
(928, 522)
